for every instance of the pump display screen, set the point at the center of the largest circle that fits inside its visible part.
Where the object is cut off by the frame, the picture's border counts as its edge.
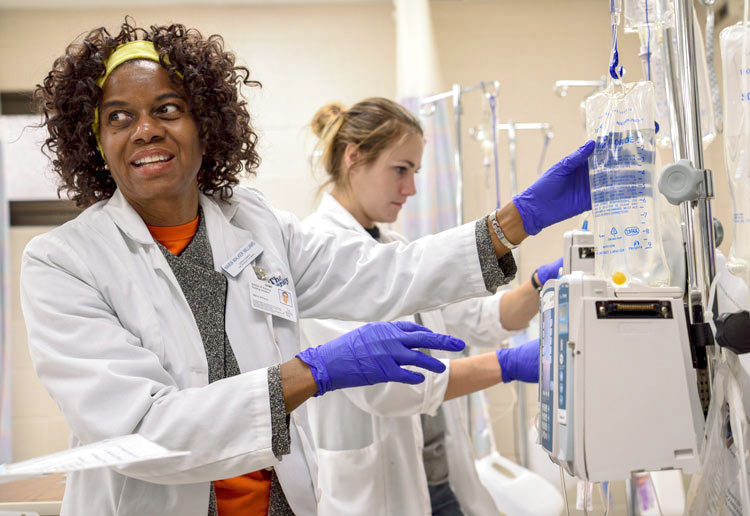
(546, 382)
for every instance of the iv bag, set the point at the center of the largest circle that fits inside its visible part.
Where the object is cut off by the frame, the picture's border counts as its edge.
(639, 13)
(622, 176)
(736, 72)
(653, 43)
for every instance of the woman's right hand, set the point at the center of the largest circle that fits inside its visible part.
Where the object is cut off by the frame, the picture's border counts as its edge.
(560, 193)
(374, 353)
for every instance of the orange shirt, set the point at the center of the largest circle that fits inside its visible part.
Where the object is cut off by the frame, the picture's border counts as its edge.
(246, 495)
(174, 238)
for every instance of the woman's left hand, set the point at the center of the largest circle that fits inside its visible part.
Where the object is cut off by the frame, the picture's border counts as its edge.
(549, 271)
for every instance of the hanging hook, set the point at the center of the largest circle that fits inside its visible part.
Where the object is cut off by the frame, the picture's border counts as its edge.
(426, 110)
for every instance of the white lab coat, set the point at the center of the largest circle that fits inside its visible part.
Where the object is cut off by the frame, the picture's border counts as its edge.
(114, 342)
(377, 437)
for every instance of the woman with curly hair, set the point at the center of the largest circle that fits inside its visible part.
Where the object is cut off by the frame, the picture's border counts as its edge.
(161, 309)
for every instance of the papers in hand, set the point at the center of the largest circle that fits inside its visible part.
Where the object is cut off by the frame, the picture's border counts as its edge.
(118, 451)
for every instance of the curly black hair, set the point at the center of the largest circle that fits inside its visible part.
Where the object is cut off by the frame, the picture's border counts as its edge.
(203, 68)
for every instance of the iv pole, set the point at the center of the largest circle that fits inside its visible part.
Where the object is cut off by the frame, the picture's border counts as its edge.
(511, 127)
(695, 215)
(456, 94)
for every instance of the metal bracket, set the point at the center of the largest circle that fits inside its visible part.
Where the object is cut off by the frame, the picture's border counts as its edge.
(682, 182)
(700, 336)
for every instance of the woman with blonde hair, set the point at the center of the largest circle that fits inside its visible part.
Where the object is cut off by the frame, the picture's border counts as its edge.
(405, 442)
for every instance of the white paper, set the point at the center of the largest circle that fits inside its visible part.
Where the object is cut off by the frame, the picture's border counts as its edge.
(118, 451)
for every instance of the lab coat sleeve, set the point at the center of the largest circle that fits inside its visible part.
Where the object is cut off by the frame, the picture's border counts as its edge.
(390, 399)
(107, 384)
(477, 321)
(345, 276)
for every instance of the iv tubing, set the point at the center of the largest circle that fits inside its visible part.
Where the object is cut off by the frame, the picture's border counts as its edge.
(564, 491)
(615, 71)
(604, 497)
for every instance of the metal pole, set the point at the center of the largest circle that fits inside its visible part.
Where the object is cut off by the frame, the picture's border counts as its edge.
(688, 144)
(528, 126)
(630, 496)
(457, 112)
(680, 151)
(521, 439)
(561, 87)
(693, 145)
(512, 155)
(520, 410)
(672, 80)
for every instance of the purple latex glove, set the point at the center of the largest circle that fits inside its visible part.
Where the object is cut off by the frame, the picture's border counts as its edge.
(549, 271)
(560, 193)
(520, 363)
(373, 353)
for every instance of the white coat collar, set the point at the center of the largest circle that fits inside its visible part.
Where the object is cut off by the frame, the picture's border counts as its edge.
(131, 223)
(333, 210)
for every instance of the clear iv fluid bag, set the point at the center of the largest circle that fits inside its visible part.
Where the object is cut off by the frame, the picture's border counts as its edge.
(653, 41)
(622, 176)
(657, 13)
(736, 71)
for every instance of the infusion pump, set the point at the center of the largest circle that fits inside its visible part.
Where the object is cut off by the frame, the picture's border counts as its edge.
(617, 388)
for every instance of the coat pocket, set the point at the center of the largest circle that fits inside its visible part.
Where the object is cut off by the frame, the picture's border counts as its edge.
(352, 482)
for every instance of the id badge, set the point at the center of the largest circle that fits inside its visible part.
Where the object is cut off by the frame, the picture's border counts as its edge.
(272, 300)
(242, 258)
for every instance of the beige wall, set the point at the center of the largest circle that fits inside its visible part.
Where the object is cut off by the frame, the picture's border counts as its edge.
(306, 56)
(303, 55)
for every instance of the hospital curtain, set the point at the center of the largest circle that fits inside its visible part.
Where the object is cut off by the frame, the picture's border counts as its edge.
(5, 401)
(433, 208)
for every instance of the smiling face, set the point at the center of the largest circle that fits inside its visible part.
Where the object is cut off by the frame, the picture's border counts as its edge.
(380, 189)
(151, 143)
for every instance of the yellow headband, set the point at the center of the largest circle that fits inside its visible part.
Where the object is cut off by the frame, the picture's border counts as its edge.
(126, 52)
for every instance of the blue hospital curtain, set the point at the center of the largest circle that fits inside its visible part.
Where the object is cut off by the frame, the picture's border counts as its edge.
(433, 208)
